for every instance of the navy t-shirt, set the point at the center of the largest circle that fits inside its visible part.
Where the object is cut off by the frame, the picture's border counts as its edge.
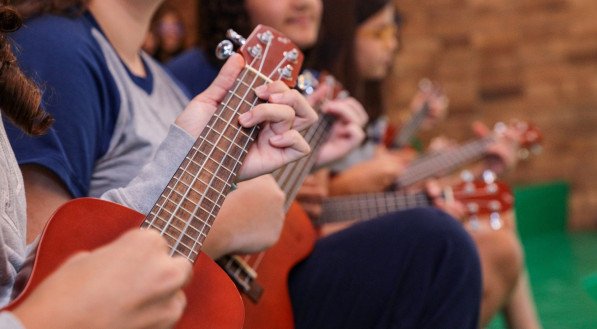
(193, 70)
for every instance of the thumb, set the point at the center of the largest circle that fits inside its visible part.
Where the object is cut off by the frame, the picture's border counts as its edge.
(481, 129)
(215, 93)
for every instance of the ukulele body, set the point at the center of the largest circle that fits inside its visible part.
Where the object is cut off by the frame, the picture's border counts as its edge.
(274, 309)
(85, 224)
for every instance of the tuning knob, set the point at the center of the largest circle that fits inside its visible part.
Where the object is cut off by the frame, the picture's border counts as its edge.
(235, 37)
(307, 82)
(224, 49)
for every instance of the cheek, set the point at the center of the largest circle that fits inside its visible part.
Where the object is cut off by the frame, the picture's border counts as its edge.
(370, 62)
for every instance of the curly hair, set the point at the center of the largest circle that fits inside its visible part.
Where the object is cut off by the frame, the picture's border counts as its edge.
(20, 99)
(215, 18)
(30, 8)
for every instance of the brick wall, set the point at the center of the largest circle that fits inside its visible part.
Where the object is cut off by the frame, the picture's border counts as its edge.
(502, 59)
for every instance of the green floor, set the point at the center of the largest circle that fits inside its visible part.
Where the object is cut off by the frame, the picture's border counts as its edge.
(562, 266)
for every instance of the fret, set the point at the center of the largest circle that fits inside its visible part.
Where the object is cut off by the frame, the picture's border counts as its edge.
(191, 255)
(179, 230)
(190, 213)
(166, 235)
(437, 163)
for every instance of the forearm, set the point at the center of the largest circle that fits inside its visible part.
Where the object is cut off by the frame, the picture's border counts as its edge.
(143, 191)
(10, 321)
(520, 310)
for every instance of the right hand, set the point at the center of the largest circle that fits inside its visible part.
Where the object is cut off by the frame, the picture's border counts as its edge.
(314, 190)
(250, 219)
(129, 283)
(374, 175)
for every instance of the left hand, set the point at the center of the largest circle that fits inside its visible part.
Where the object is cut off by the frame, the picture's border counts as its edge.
(347, 131)
(503, 154)
(453, 207)
(279, 141)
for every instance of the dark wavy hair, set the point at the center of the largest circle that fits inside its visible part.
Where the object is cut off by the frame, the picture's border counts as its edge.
(20, 99)
(31, 8)
(215, 18)
(334, 51)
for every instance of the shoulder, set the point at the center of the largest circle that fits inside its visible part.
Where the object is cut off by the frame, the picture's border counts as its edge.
(193, 70)
(50, 36)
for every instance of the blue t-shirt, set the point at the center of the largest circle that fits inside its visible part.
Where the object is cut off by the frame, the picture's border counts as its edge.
(108, 121)
(193, 70)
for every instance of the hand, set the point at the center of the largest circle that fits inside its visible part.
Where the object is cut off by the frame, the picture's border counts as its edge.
(250, 219)
(436, 100)
(129, 283)
(440, 144)
(503, 153)
(347, 131)
(451, 206)
(374, 175)
(278, 142)
(315, 188)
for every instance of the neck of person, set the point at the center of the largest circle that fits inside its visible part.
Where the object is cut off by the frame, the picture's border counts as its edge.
(125, 23)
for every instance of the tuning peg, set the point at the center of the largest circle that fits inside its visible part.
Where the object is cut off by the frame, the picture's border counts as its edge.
(292, 56)
(467, 176)
(306, 82)
(235, 37)
(474, 223)
(489, 177)
(224, 49)
(286, 72)
(495, 221)
(265, 37)
(500, 127)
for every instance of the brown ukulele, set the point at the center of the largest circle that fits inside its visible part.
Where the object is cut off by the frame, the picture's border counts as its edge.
(480, 197)
(186, 209)
(263, 277)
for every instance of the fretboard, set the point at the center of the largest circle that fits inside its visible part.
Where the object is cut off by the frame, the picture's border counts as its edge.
(410, 129)
(186, 209)
(291, 176)
(443, 162)
(367, 206)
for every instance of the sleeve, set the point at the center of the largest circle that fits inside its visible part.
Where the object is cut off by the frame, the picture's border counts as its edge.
(9, 321)
(79, 92)
(143, 191)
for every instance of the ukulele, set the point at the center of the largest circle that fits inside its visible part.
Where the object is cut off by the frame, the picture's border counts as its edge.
(430, 91)
(442, 162)
(186, 209)
(485, 196)
(267, 301)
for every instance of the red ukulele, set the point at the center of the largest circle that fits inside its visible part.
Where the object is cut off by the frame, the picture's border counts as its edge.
(186, 209)
(263, 277)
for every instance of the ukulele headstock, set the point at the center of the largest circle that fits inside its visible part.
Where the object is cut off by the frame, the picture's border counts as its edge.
(272, 54)
(528, 136)
(267, 52)
(484, 196)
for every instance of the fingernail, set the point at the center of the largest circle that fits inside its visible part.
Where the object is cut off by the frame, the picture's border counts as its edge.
(245, 117)
(275, 98)
(260, 89)
(277, 138)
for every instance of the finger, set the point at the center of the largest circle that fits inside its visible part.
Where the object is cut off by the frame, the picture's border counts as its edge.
(345, 110)
(304, 113)
(319, 95)
(280, 117)
(184, 268)
(215, 93)
(266, 90)
(481, 129)
(293, 140)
